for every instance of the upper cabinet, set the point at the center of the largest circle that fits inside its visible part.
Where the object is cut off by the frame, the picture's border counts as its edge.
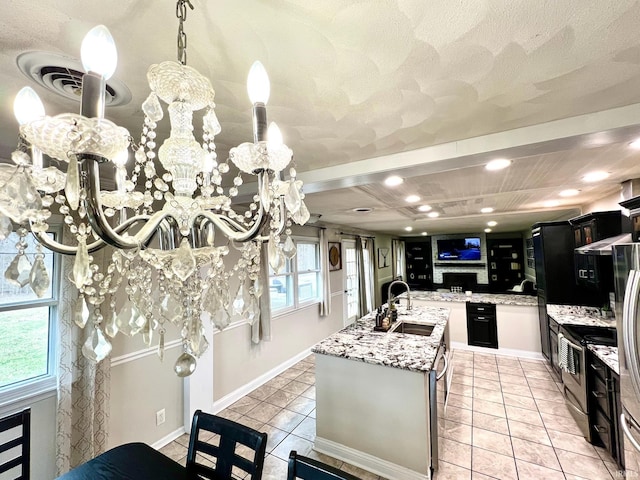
(592, 271)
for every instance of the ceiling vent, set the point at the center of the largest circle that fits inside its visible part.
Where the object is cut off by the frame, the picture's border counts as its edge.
(362, 210)
(63, 75)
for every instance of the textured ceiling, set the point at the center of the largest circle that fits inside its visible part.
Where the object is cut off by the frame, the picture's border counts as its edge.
(356, 81)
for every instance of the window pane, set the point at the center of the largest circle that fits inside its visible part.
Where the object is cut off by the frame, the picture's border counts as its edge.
(307, 286)
(307, 257)
(10, 293)
(281, 291)
(24, 343)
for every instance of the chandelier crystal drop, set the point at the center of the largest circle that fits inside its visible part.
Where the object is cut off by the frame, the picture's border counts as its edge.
(159, 223)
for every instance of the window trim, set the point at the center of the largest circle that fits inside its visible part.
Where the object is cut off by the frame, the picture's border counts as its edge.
(297, 305)
(25, 392)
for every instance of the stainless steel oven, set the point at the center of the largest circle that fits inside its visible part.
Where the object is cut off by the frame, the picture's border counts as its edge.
(573, 339)
(574, 378)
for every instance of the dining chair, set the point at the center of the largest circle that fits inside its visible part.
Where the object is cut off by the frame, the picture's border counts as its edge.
(15, 431)
(230, 445)
(310, 469)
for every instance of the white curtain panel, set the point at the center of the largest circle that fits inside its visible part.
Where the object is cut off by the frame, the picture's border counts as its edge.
(399, 262)
(261, 328)
(83, 387)
(362, 283)
(370, 273)
(325, 302)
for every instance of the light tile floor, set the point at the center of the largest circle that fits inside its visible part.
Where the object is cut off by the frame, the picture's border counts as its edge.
(506, 419)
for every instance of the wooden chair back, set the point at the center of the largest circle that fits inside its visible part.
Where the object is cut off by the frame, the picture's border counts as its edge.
(232, 445)
(15, 431)
(311, 469)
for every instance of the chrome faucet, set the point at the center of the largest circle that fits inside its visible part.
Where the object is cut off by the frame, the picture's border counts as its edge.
(392, 298)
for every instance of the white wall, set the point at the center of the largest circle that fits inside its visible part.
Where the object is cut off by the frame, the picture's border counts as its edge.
(610, 202)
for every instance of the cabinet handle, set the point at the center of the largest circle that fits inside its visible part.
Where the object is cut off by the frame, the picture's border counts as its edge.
(597, 368)
(598, 394)
(600, 429)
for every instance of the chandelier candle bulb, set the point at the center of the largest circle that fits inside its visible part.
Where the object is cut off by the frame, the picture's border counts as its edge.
(99, 59)
(259, 89)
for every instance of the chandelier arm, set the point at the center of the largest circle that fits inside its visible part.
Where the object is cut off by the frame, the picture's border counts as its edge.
(98, 220)
(63, 249)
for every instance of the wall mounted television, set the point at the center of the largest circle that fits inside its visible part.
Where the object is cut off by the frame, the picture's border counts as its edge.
(465, 249)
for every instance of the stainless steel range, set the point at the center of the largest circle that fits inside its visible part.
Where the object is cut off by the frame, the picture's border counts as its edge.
(574, 374)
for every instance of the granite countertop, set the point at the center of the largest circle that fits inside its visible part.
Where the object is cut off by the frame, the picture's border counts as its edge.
(609, 355)
(416, 353)
(497, 298)
(578, 315)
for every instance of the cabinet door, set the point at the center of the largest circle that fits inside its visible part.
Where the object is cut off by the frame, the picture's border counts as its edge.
(482, 331)
(553, 347)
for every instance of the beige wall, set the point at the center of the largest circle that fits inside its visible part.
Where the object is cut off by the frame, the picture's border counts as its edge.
(604, 204)
(382, 275)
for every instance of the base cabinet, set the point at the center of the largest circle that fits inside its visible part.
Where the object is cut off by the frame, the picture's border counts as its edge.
(482, 325)
(604, 408)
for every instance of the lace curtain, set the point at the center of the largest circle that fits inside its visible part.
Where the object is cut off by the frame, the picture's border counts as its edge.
(83, 387)
(399, 263)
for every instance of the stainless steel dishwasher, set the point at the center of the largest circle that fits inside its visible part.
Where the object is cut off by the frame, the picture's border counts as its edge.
(439, 383)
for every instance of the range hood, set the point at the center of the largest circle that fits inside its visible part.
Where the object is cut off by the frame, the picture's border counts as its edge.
(603, 247)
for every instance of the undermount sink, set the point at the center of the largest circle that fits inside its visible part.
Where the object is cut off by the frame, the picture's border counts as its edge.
(413, 329)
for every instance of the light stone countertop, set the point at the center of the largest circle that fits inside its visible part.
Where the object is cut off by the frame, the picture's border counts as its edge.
(416, 353)
(497, 298)
(578, 315)
(609, 355)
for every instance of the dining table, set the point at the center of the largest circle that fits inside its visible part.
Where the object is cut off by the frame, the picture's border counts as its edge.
(131, 461)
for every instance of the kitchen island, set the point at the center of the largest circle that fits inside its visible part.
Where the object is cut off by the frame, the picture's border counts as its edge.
(373, 393)
(518, 325)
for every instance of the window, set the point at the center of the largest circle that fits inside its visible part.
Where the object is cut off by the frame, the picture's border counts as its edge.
(27, 323)
(299, 283)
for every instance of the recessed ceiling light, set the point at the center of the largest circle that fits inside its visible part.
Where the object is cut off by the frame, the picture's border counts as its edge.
(412, 199)
(551, 203)
(498, 164)
(424, 208)
(487, 230)
(492, 223)
(486, 210)
(424, 234)
(408, 229)
(635, 144)
(433, 214)
(393, 181)
(571, 192)
(595, 176)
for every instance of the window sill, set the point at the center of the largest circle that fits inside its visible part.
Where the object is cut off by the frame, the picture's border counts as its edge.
(292, 310)
(16, 398)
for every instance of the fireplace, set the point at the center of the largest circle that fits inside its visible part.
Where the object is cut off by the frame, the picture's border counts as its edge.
(468, 281)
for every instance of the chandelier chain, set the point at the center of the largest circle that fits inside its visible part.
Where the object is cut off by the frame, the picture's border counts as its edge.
(181, 13)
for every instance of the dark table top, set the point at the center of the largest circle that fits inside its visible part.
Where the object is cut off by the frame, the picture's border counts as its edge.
(132, 461)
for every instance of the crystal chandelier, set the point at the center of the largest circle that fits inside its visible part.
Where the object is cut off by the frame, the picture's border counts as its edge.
(161, 220)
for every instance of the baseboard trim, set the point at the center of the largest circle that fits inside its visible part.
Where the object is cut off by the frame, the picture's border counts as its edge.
(237, 394)
(167, 439)
(364, 460)
(507, 352)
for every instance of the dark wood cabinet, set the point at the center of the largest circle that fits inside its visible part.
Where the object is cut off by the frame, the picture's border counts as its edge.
(595, 272)
(419, 264)
(482, 326)
(506, 263)
(603, 386)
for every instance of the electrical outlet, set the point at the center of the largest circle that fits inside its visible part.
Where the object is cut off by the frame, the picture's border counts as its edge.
(160, 417)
